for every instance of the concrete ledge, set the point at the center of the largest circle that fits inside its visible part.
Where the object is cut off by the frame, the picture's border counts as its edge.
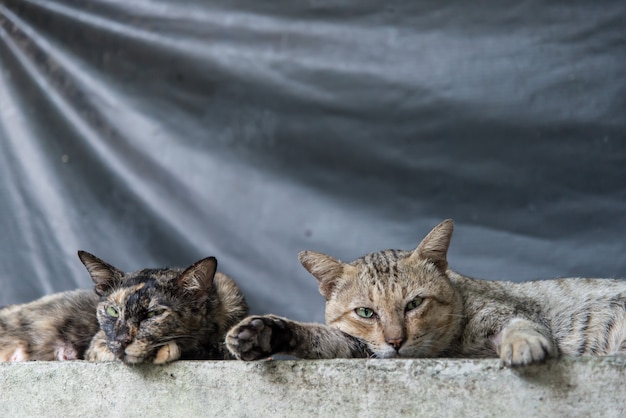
(330, 388)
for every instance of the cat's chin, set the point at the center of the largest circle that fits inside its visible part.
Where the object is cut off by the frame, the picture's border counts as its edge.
(387, 354)
(130, 359)
(404, 352)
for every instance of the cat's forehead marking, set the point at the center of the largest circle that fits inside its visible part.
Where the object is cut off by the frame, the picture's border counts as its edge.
(379, 277)
(381, 263)
(138, 301)
(162, 275)
(120, 296)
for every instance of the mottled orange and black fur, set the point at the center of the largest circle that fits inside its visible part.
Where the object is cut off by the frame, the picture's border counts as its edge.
(54, 327)
(162, 315)
(409, 304)
(151, 315)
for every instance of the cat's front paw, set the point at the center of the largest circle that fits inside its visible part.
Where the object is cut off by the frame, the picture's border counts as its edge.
(522, 346)
(98, 350)
(99, 355)
(169, 352)
(257, 337)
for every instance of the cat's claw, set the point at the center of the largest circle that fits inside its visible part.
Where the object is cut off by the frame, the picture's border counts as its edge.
(252, 338)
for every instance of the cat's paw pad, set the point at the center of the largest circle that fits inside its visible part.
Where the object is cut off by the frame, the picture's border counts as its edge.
(251, 339)
(522, 349)
(169, 352)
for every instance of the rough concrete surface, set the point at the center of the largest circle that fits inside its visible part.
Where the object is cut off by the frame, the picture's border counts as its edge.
(330, 388)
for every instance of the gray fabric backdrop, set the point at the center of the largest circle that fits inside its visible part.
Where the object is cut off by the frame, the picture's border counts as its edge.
(155, 133)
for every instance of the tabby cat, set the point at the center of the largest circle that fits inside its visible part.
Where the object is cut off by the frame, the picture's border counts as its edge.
(409, 304)
(151, 315)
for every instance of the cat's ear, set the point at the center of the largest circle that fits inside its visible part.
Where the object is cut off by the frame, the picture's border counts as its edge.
(104, 275)
(326, 269)
(434, 247)
(197, 280)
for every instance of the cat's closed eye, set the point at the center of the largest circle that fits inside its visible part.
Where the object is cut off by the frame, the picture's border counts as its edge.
(155, 312)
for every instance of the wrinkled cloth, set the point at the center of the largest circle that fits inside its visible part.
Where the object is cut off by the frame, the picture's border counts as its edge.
(155, 133)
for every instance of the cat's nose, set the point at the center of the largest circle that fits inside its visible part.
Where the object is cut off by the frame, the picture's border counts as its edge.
(123, 339)
(395, 342)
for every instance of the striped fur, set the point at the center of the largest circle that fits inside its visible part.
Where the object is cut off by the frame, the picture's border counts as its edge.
(417, 307)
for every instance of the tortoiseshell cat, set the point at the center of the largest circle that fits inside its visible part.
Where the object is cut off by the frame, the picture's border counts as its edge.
(409, 304)
(162, 315)
(151, 315)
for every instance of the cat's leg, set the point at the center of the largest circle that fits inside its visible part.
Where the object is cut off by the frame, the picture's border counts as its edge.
(98, 350)
(258, 337)
(169, 352)
(524, 342)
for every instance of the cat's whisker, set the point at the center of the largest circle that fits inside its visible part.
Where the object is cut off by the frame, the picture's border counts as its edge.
(167, 340)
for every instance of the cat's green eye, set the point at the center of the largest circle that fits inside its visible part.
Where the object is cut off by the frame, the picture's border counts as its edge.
(364, 312)
(156, 312)
(414, 304)
(112, 311)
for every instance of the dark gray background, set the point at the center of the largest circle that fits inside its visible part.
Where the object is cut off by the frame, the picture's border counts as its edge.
(155, 133)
